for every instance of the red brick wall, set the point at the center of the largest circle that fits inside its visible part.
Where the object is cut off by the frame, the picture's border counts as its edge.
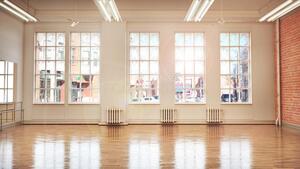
(290, 67)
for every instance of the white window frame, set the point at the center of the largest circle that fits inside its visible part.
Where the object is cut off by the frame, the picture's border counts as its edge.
(5, 76)
(80, 60)
(194, 75)
(139, 60)
(35, 101)
(238, 60)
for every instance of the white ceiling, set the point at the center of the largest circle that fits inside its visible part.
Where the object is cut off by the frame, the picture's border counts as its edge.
(147, 4)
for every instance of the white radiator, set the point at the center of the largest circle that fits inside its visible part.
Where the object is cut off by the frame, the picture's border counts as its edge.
(167, 115)
(213, 115)
(114, 116)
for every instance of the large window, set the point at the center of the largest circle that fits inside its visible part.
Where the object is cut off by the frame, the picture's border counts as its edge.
(189, 68)
(85, 68)
(6, 81)
(235, 67)
(49, 67)
(144, 68)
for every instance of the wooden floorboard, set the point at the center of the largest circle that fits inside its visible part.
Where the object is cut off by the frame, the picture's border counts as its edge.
(149, 146)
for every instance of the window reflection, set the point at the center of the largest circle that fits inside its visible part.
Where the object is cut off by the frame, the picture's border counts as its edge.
(49, 154)
(84, 154)
(190, 154)
(144, 154)
(6, 154)
(235, 153)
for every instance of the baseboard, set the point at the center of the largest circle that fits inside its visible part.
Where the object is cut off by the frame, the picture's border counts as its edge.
(294, 126)
(60, 122)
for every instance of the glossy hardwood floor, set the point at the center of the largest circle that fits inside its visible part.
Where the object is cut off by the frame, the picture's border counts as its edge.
(149, 146)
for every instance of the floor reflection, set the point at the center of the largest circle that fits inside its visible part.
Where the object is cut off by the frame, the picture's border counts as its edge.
(144, 154)
(6, 154)
(190, 154)
(235, 153)
(84, 153)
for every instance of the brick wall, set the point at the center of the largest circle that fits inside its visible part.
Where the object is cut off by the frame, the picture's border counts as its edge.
(290, 67)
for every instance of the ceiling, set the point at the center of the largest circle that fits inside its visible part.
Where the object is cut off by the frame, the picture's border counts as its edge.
(147, 4)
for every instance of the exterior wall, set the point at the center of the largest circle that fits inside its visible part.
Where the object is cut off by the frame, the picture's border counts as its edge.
(114, 70)
(290, 67)
(11, 49)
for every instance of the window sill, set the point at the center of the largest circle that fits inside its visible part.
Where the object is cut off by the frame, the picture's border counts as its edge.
(48, 103)
(190, 103)
(143, 103)
(84, 103)
(237, 103)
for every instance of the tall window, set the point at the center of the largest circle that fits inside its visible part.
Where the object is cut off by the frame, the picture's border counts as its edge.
(6, 81)
(49, 67)
(85, 68)
(144, 68)
(235, 67)
(189, 68)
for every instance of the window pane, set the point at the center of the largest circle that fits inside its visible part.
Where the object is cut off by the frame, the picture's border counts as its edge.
(225, 95)
(95, 67)
(95, 53)
(58, 95)
(179, 53)
(234, 68)
(51, 81)
(144, 39)
(243, 68)
(244, 53)
(76, 81)
(40, 53)
(50, 55)
(179, 39)
(85, 39)
(134, 53)
(75, 67)
(199, 82)
(85, 53)
(154, 39)
(50, 66)
(60, 67)
(134, 68)
(189, 67)
(224, 53)
(75, 95)
(189, 39)
(41, 39)
(189, 82)
(244, 95)
(198, 39)
(144, 67)
(199, 53)
(134, 39)
(10, 81)
(75, 39)
(179, 67)
(225, 81)
(224, 67)
(244, 83)
(10, 68)
(234, 53)
(244, 39)
(2, 63)
(85, 67)
(95, 81)
(144, 53)
(60, 39)
(134, 80)
(234, 95)
(224, 39)
(234, 82)
(60, 53)
(95, 39)
(154, 67)
(75, 53)
(59, 81)
(234, 39)
(199, 68)
(2, 96)
(189, 53)
(154, 53)
(50, 39)
(1, 81)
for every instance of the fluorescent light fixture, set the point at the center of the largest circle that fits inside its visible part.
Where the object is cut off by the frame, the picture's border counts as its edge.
(109, 10)
(280, 10)
(74, 23)
(14, 12)
(285, 11)
(192, 10)
(30, 17)
(200, 6)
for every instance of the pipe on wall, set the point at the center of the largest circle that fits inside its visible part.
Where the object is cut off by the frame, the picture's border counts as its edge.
(278, 74)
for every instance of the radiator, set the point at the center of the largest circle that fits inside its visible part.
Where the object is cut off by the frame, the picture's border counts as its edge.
(213, 115)
(114, 116)
(167, 115)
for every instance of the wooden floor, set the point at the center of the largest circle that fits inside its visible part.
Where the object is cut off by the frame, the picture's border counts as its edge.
(149, 146)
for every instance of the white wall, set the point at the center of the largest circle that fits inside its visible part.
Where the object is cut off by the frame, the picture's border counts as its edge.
(114, 71)
(11, 48)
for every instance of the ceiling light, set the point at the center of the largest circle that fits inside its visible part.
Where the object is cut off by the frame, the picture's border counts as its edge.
(280, 10)
(24, 13)
(285, 11)
(14, 12)
(200, 6)
(109, 10)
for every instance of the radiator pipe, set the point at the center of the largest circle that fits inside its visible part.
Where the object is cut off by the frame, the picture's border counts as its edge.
(278, 73)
